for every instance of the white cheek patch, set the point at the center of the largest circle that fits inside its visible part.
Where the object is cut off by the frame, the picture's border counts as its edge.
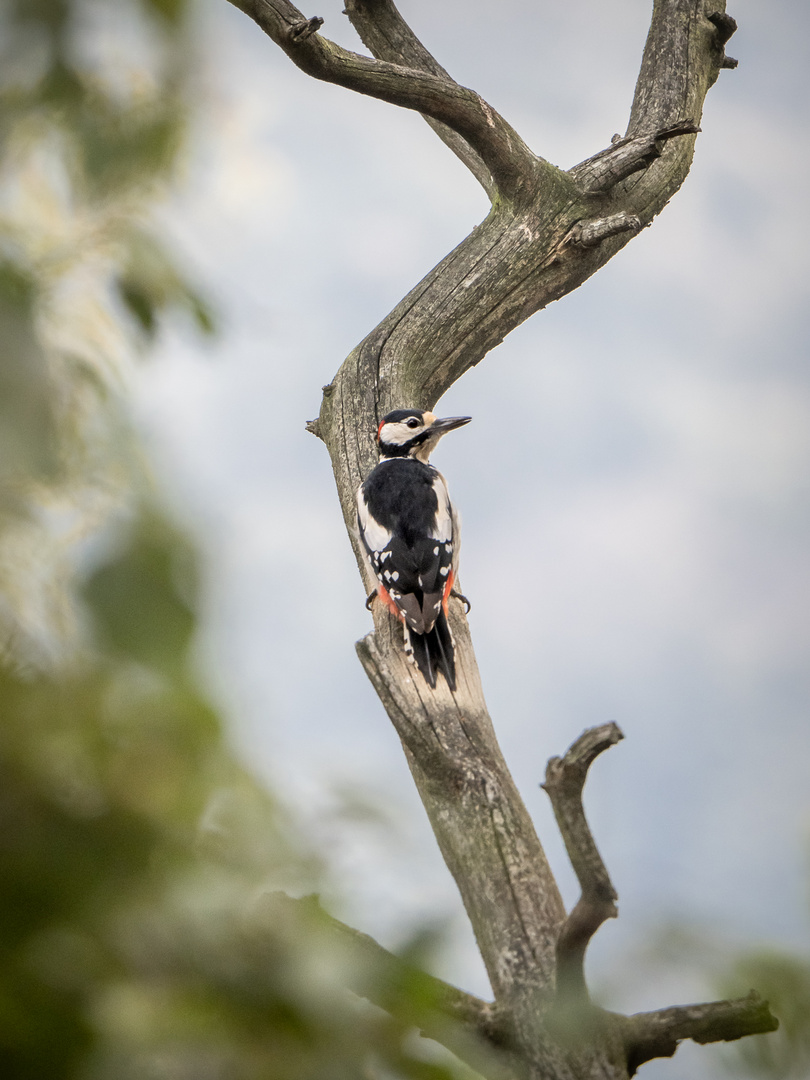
(397, 434)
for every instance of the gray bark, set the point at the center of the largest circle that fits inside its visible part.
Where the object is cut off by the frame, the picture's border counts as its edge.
(548, 230)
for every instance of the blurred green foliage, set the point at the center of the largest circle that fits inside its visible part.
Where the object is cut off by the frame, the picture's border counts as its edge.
(730, 971)
(783, 980)
(141, 932)
(95, 99)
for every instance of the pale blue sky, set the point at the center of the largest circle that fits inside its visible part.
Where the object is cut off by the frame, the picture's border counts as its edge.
(639, 452)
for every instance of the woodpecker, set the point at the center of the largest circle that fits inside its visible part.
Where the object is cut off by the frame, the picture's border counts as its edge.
(410, 532)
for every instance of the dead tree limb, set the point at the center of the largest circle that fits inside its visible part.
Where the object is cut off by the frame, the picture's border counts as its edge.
(565, 779)
(657, 1034)
(429, 91)
(547, 232)
(471, 1028)
(388, 37)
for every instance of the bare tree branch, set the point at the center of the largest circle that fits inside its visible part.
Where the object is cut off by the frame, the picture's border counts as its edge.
(515, 170)
(657, 1034)
(513, 264)
(547, 233)
(470, 1028)
(388, 37)
(565, 779)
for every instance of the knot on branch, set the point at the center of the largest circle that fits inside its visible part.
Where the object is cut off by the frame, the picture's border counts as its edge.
(724, 27)
(314, 427)
(626, 156)
(300, 31)
(589, 234)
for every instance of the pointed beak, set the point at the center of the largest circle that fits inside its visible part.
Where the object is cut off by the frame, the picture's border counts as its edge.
(441, 427)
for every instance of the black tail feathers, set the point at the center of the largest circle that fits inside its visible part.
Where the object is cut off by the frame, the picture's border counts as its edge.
(433, 653)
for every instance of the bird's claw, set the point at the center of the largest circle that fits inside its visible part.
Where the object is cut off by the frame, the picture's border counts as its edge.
(370, 599)
(463, 599)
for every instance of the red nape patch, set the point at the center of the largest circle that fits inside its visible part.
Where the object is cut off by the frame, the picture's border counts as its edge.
(379, 429)
(447, 590)
(385, 596)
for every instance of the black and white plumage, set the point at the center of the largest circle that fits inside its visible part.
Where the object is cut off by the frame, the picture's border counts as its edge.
(410, 532)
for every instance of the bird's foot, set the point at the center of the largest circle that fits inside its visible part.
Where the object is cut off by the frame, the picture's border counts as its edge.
(463, 599)
(370, 599)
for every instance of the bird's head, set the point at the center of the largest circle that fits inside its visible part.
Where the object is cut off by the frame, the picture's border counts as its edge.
(412, 433)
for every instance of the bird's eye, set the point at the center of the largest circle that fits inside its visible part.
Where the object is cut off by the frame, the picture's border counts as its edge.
(413, 422)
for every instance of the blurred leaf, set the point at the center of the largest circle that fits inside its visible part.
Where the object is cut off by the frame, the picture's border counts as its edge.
(143, 600)
(139, 302)
(784, 981)
(173, 11)
(27, 425)
(202, 313)
(149, 284)
(120, 147)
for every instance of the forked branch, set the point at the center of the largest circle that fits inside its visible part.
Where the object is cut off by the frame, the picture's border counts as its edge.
(514, 170)
(548, 232)
(645, 1035)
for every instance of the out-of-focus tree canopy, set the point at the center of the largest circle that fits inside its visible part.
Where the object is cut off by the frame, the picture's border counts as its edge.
(139, 932)
(93, 108)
